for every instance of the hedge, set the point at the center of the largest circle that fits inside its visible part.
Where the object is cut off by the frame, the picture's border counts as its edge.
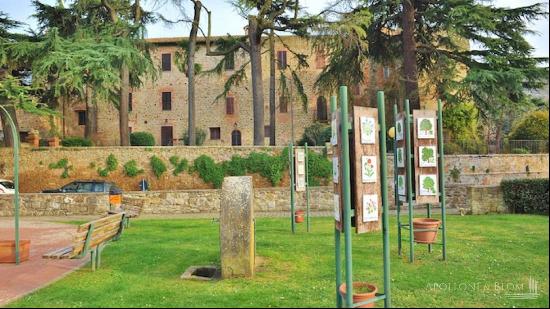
(76, 142)
(526, 196)
(142, 139)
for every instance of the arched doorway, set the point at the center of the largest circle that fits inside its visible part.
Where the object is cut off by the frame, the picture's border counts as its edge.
(322, 114)
(236, 138)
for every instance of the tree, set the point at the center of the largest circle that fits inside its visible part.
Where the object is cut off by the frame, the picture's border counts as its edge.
(262, 16)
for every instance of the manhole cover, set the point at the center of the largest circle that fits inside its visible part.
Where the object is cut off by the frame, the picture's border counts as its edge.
(201, 273)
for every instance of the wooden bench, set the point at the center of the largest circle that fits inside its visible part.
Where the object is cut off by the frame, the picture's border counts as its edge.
(91, 237)
(131, 211)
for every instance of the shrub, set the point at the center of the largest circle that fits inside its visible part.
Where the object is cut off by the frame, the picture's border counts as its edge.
(209, 171)
(131, 169)
(526, 196)
(62, 164)
(180, 165)
(533, 126)
(111, 165)
(158, 166)
(142, 139)
(76, 142)
(520, 151)
(200, 137)
(319, 168)
(316, 135)
(236, 166)
(270, 167)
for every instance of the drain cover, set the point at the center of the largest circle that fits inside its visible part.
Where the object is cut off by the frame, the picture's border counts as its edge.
(204, 273)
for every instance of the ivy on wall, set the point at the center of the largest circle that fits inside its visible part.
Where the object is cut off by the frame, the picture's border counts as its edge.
(62, 164)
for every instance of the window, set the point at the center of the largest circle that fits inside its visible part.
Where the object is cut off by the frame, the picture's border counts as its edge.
(281, 59)
(130, 130)
(166, 101)
(236, 138)
(267, 131)
(230, 105)
(320, 60)
(322, 109)
(81, 118)
(130, 102)
(167, 62)
(356, 90)
(215, 133)
(283, 104)
(387, 72)
(166, 136)
(230, 62)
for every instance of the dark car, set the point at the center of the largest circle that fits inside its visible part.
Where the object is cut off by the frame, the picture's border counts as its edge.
(87, 186)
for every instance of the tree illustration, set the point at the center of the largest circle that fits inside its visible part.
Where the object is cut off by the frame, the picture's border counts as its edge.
(399, 155)
(428, 154)
(399, 129)
(426, 126)
(400, 183)
(429, 184)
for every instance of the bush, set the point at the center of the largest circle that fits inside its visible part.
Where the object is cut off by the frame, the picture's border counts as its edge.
(180, 165)
(76, 142)
(270, 167)
(534, 126)
(236, 166)
(111, 165)
(526, 196)
(209, 171)
(520, 151)
(200, 137)
(158, 166)
(316, 135)
(319, 168)
(142, 139)
(131, 169)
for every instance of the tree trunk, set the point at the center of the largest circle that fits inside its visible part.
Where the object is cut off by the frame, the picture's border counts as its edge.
(272, 102)
(90, 128)
(123, 106)
(255, 39)
(191, 72)
(8, 139)
(410, 70)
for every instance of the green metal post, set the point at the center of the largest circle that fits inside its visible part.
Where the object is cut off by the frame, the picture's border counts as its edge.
(307, 185)
(409, 178)
(346, 190)
(15, 138)
(337, 245)
(429, 215)
(291, 159)
(384, 185)
(441, 177)
(395, 185)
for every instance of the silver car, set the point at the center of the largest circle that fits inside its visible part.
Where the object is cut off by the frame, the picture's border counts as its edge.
(7, 187)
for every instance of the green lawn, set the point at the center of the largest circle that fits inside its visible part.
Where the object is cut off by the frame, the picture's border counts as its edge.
(488, 256)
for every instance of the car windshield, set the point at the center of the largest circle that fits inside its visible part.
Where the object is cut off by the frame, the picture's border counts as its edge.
(85, 187)
(99, 187)
(7, 184)
(72, 187)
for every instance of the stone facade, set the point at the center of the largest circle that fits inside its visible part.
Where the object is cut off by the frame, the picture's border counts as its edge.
(482, 200)
(148, 115)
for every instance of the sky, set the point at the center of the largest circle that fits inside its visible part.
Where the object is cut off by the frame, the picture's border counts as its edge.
(226, 20)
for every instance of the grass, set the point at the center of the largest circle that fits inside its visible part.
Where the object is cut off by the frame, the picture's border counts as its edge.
(488, 256)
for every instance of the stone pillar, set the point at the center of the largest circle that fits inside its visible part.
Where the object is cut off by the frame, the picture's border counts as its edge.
(237, 244)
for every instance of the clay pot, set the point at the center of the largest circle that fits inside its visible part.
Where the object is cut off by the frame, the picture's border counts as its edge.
(34, 140)
(7, 250)
(299, 216)
(53, 141)
(361, 297)
(425, 237)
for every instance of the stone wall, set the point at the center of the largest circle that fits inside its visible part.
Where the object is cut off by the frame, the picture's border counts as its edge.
(485, 199)
(460, 170)
(160, 202)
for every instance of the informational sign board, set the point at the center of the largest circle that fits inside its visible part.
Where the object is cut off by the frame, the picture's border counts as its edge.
(400, 157)
(300, 166)
(425, 156)
(365, 169)
(337, 170)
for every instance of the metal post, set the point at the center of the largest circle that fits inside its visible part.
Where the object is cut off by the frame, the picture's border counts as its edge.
(15, 138)
(337, 246)
(307, 185)
(441, 177)
(429, 215)
(291, 159)
(409, 178)
(395, 185)
(346, 189)
(384, 185)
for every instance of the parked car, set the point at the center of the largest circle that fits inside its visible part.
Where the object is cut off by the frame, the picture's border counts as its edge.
(7, 187)
(87, 186)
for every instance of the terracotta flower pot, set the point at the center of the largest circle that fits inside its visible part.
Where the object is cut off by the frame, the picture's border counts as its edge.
(34, 140)
(53, 141)
(425, 237)
(7, 250)
(363, 291)
(299, 216)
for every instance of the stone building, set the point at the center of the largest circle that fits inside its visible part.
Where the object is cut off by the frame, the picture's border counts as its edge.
(160, 106)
